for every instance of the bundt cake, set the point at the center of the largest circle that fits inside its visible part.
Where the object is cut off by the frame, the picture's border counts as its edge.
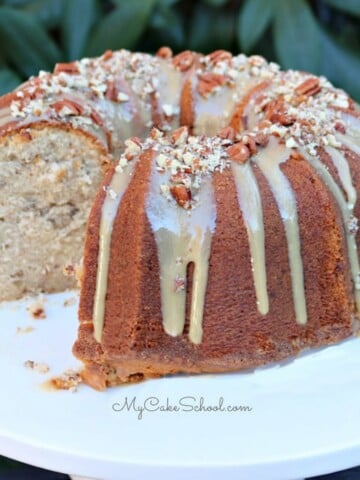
(229, 242)
(225, 240)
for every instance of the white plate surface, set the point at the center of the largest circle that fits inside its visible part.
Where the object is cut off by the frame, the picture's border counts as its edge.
(304, 418)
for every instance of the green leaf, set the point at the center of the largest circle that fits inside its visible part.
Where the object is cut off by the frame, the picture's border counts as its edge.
(74, 32)
(168, 27)
(216, 3)
(254, 18)
(24, 42)
(122, 28)
(210, 29)
(344, 67)
(348, 6)
(48, 12)
(297, 36)
(8, 80)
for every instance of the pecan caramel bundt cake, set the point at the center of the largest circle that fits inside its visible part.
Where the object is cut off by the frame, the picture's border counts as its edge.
(226, 239)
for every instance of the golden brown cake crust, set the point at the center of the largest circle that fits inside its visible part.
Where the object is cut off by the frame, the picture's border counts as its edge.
(236, 336)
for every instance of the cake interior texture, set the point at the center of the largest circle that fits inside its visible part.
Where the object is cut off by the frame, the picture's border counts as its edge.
(48, 178)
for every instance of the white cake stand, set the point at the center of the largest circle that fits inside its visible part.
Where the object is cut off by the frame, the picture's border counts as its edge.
(304, 420)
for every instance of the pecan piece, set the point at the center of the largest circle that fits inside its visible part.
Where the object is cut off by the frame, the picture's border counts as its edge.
(311, 86)
(180, 136)
(107, 55)
(220, 56)
(227, 133)
(340, 127)
(182, 195)
(239, 152)
(208, 82)
(69, 68)
(164, 52)
(67, 107)
(184, 60)
(250, 143)
(261, 139)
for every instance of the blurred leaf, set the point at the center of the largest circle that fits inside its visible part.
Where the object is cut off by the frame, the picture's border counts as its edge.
(210, 29)
(168, 27)
(296, 36)
(48, 12)
(8, 80)
(24, 42)
(348, 6)
(122, 27)
(75, 33)
(254, 18)
(215, 3)
(344, 67)
(166, 3)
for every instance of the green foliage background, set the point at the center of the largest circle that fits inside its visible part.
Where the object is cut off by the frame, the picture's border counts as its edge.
(321, 36)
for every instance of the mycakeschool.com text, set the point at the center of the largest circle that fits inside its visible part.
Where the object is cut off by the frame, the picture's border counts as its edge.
(189, 403)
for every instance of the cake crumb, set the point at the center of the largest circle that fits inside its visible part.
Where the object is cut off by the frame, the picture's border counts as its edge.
(37, 309)
(28, 329)
(69, 301)
(37, 366)
(69, 380)
(69, 270)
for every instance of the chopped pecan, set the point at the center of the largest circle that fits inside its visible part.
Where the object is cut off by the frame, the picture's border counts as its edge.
(184, 60)
(276, 113)
(311, 86)
(261, 139)
(220, 56)
(164, 52)
(70, 107)
(250, 143)
(227, 133)
(111, 91)
(182, 195)
(239, 152)
(95, 117)
(340, 127)
(179, 136)
(69, 68)
(208, 82)
(107, 55)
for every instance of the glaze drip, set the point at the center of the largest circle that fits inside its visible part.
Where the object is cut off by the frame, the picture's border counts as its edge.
(269, 161)
(114, 193)
(182, 238)
(250, 205)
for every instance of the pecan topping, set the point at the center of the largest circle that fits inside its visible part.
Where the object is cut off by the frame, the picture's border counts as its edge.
(261, 139)
(111, 91)
(184, 61)
(182, 195)
(208, 82)
(339, 127)
(250, 143)
(276, 113)
(227, 133)
(179, 136)
(69, 68)
(311, 86)
(239, 152)
(67, 107)
(107, 55)
(220, 56)
(164, 52)
(95, 117)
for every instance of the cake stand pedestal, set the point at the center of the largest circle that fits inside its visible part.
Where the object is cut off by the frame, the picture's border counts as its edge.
(299, 419)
